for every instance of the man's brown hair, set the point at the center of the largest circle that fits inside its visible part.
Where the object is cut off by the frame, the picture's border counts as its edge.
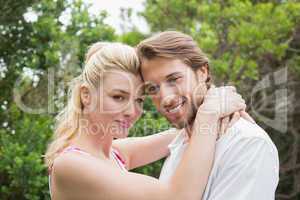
(174, 45)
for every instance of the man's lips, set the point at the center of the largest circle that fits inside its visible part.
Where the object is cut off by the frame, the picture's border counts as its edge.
(176, 107)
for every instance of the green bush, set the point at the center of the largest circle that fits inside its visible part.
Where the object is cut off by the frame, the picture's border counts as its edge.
(22, 172)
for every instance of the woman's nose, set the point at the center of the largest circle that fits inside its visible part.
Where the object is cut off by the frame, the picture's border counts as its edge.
(130, 110)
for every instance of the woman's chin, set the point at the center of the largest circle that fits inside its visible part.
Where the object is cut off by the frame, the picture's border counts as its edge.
(121, 135)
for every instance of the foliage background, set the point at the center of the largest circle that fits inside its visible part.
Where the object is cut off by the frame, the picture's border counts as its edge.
(247, 40)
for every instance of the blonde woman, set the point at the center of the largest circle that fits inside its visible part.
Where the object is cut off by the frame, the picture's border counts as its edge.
(84, 160)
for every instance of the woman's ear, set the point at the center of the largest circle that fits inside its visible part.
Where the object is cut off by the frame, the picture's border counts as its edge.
(202, 73)
(85, 95)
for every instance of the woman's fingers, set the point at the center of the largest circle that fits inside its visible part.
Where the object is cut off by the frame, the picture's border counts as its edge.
(233, 103)
(235, 117)
(224, 125)
(246, 116)
(223, 101)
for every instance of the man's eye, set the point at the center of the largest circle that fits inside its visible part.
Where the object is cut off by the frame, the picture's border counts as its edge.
(173, 79)
(140, 101)
(118, 98)
(151, 89)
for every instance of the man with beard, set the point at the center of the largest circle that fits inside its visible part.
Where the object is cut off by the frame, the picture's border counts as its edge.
(176, 75)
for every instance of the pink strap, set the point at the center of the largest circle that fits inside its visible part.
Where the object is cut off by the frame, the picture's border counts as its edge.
(76, 149)
(69, 149)
(115, 152)
(119, 159)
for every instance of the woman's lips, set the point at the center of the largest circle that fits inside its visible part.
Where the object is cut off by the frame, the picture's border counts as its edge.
(124, 124)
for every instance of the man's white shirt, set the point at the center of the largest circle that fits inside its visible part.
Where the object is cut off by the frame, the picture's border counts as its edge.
(246, 165)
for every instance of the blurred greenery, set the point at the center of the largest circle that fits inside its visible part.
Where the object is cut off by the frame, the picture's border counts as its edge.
(247, 42)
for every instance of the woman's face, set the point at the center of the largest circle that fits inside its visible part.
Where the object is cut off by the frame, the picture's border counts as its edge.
(116, 105)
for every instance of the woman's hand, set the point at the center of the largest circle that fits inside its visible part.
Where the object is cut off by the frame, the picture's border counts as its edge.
(222, 101)
(228, 121)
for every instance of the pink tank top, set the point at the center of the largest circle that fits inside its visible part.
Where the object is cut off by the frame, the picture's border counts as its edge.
(115, 154)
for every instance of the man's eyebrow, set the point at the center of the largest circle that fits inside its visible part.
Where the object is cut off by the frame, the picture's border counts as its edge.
(172, 74)
(147, 84)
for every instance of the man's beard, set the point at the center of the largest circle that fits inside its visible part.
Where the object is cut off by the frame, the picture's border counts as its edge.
(189, 121)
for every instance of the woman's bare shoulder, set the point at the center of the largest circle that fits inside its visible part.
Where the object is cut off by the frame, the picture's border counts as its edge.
(78, 175)
(73, 166)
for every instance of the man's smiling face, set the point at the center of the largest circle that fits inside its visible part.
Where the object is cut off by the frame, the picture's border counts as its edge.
(174, 88)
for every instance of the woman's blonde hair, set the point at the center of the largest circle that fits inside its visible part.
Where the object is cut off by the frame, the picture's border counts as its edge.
(101, 56)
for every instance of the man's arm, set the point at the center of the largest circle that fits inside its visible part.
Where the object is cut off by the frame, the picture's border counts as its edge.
(249, 170)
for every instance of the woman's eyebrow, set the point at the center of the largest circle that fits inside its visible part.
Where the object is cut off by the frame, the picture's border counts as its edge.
(121, 91)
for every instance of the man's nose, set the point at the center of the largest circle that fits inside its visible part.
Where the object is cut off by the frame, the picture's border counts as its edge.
(167, 96)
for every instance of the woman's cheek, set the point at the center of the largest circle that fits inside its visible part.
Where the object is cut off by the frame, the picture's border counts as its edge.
(111, 106)
(139, 112)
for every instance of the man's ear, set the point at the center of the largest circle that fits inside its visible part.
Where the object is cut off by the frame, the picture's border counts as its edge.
(85, 95)
(202, 73)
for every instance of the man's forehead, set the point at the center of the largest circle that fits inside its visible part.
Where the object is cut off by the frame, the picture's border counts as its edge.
(160, 68)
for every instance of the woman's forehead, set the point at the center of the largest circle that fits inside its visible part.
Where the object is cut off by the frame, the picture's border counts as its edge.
(121, 80)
